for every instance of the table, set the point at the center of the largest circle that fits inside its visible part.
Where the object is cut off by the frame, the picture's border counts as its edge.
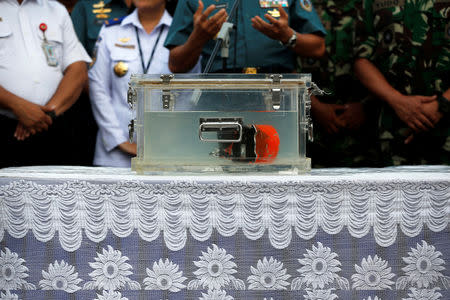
(104, 233)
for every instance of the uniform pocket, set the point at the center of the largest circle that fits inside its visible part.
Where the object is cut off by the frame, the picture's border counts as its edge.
(6, 45)
(55, 40)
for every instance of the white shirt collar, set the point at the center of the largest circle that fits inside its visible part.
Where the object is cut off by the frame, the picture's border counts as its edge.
(133, 19)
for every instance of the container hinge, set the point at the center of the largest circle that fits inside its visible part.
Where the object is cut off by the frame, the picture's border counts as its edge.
(131, 97)
(166, 96)
(313, 90)
(276, 91)
(131, 130)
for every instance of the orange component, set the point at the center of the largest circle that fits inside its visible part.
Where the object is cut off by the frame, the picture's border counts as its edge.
(267, 143)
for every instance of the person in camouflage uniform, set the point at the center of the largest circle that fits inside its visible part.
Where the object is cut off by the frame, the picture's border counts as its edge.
(344, 130)
(403, 50)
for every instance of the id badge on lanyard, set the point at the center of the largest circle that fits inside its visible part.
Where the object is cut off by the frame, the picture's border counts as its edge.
(49, 49)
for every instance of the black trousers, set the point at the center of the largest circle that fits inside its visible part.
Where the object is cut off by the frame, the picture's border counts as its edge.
(43, 148)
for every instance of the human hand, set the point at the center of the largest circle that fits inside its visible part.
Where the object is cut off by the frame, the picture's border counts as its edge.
(205, 27)
(21, 132)
(353, 116)
(412, 111)
(129, 148)
(431, 110)
(32, 116)
(326, 115)
(277, 29)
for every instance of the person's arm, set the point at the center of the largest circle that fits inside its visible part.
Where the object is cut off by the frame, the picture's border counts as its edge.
(31, 115)
(307, 44)
(408, 108)
(184, 57)
(69, 89)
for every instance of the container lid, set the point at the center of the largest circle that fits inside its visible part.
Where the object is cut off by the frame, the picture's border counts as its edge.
(220, 81)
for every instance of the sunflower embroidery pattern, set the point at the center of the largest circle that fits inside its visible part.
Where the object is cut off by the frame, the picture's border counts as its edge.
(420, 294)
(8, 296)
(373, 274)
(215, 269)
(164, 276)
(111, 272)
(107, 295)
(60, 276)
(268, 275)
(320, 294)
(13, 272)
(423, 269)
(320, 269)
(216, 295)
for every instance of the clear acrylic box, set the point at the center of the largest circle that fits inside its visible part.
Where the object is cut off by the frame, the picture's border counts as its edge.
(220, 123)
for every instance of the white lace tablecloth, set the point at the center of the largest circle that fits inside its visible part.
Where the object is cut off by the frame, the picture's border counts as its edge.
(104, 233)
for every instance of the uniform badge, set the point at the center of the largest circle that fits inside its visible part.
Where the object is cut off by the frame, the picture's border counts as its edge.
(101, 4)
(120, 69)
(124, 40)
(273, 3)
(306, 5)
(274, 13)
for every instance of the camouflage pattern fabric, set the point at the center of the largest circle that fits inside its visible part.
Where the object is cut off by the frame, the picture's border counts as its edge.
(409, 41)
(333, 73)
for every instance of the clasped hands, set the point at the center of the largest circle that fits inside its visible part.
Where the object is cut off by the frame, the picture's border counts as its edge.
(207, 27)
(33, 118)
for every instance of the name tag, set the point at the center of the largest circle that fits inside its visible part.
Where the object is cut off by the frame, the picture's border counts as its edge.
(125, 46)
(273, 3)
(50, 55)
(382, 4)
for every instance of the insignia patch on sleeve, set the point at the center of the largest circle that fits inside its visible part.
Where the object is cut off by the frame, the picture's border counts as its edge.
(306, 5)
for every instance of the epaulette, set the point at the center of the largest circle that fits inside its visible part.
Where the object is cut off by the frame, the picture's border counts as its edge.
(114, 21)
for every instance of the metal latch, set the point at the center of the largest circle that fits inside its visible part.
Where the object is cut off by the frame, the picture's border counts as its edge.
(166, 95)
(225, 130)
(131, 130)
(276, 91)
(131, 97)
(313, 90)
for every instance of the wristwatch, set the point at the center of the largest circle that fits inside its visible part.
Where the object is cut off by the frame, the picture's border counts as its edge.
(291, 42)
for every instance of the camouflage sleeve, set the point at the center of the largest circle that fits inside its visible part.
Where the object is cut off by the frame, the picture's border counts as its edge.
(365, 40)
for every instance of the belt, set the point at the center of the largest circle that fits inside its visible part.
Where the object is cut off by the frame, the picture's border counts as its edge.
(256, 70)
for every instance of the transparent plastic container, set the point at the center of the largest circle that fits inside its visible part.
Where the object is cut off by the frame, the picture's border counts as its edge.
(220, 123)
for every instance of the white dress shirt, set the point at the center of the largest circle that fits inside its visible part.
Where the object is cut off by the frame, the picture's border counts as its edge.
(108, 91)
(24, 70)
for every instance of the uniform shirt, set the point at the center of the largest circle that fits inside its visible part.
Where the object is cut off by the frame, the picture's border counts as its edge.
(108, 92)
(23, 65)
(408, 41)
(334, 71)
(88, 17)
(248, 47)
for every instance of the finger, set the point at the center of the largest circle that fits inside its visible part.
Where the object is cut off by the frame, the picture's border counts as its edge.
(419, 126)
(48, 120)
(426, 121)
(44, 126)
(409, 139)
(217, 18)
(207, 12)
(283, 13)
(271, 19)
(32, 131)
(260, 24)
(199, 10)
(427, 99)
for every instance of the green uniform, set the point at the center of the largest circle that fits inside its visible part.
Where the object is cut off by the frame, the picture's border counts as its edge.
(88, 16)
(409, 42)
(333, 72)
(248, 47)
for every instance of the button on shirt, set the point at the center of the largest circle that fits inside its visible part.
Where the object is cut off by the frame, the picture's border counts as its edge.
(24, 70)
(108, 92)
(248, 46)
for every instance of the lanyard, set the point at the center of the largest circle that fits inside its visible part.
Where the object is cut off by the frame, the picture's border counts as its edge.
(145, 69)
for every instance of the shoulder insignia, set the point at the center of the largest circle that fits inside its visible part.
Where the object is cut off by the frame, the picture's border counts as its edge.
(114, 21)
(306, 5)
